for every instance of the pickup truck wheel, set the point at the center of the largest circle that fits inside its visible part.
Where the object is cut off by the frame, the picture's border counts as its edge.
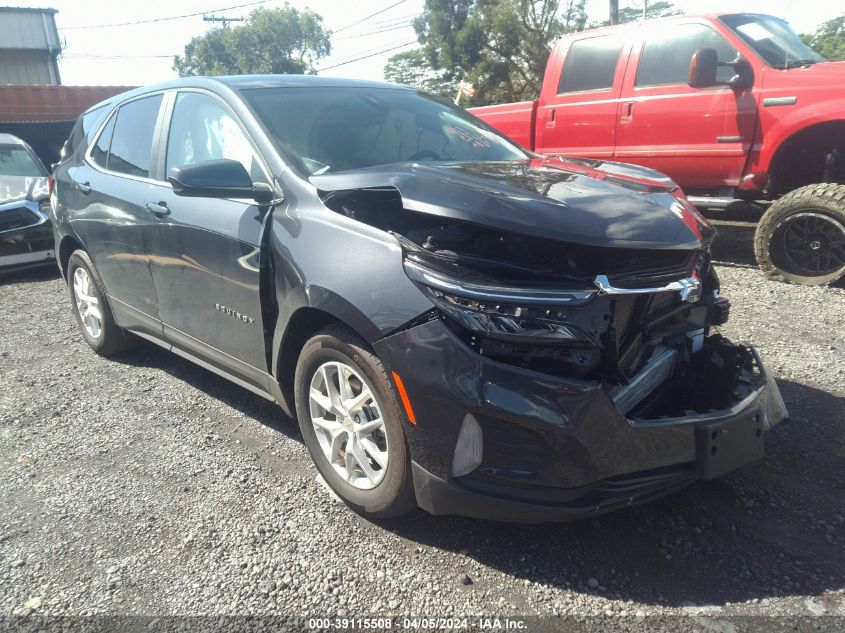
(92, 309)
(801, 238)
(352, 424)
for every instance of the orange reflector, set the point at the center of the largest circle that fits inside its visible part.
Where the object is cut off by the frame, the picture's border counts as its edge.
(404, 395)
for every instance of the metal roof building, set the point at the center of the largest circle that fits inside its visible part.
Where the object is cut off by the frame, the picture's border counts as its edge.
(29, 46)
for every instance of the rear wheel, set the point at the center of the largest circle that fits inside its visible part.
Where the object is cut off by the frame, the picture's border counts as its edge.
(801, 238)
(352, 425)
(92, 309)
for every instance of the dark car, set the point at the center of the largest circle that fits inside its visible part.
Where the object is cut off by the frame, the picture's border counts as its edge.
(456, 323)
(26, 235)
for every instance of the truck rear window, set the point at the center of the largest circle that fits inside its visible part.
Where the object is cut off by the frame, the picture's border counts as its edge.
(590, 64)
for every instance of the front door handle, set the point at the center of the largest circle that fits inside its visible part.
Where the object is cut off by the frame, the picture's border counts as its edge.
(627, 112)
(84, 187)
(158, 209)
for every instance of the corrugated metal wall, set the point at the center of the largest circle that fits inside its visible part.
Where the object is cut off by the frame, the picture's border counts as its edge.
(28, 29)
(26, 67)
(29, 45)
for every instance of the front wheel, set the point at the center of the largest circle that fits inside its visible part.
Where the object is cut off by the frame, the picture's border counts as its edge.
(801, 238)
(352, 424)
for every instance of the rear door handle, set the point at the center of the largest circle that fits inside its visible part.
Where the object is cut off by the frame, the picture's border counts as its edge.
(159, 209)
(84, 187)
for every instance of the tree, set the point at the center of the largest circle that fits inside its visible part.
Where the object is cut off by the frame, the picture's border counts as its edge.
(829, 39)
(410, 68)
(499, 46)
(279, 41)
(653, 10)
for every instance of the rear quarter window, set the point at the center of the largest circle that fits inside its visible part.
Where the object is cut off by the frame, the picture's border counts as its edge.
(590, 64)
(84, 129)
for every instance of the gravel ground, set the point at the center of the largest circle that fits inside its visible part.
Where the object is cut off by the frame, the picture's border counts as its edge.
(146, 485)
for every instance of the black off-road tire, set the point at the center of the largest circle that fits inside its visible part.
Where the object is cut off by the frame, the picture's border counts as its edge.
(393, 496)
(112, 338)
(820, 205)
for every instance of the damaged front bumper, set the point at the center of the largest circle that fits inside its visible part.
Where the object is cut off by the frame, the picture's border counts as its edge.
(26, 236)
(557, 448)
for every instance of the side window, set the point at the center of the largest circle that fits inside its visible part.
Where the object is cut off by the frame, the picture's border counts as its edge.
(100, 151)
(132, 139)
(590, 64)
(203, 129)
(666, 56)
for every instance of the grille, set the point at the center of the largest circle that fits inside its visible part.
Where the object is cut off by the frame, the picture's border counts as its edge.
(19, 218)
(632, 315)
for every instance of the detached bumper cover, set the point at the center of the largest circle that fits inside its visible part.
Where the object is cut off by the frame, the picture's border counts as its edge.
(555, 449)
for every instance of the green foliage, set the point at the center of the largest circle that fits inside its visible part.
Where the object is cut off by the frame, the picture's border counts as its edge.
(499, 46)
(278, 41)
(654, 10)
(410, 68)
(829, 39)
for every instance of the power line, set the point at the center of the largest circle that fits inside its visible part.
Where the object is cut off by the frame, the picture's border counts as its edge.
(357, 59)
(392, 28)
(372, 15)
(166, 19)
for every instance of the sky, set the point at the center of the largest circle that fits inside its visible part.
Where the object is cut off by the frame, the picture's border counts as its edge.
(142, 52)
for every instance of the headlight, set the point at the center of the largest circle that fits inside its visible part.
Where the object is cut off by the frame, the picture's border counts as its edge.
(503, 312)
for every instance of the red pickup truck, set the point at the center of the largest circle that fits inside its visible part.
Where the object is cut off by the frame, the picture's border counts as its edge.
(732, 107)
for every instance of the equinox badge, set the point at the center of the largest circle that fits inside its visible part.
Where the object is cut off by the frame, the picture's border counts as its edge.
(234, 313)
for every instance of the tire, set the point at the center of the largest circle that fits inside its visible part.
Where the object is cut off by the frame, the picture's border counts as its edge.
(392, 494)
(108, 338)
(801, 238)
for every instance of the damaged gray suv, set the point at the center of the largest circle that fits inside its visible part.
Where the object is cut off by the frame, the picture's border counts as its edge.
(456, 323)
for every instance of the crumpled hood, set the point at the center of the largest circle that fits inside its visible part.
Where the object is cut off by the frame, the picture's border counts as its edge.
(572, 200)
(15, 188)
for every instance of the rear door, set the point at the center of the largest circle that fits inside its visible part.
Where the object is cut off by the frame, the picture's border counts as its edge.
(581, 115)
(698, 136)
(108, 191)
(207, 255)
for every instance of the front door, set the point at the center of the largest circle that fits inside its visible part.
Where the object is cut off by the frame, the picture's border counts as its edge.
(698, 136)
(206, 261)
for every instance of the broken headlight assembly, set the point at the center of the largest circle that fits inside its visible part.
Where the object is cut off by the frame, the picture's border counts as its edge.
(500, 312)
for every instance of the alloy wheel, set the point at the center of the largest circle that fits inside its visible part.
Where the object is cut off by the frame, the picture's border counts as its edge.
(348, 424)
(813, 243)
(87, 303)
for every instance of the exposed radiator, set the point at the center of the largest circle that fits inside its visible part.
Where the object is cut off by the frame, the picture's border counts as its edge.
(657, 369)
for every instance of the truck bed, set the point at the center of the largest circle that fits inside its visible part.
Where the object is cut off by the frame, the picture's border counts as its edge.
(515, 120)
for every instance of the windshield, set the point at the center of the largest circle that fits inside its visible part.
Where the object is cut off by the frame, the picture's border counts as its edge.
(330, 129)
(16, 161)
(772, 39)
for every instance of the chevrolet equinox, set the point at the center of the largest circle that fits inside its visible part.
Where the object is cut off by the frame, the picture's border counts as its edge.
(456, 323)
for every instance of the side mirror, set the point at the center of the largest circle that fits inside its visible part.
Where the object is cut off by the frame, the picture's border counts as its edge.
(223, 178)
(703, 68)
(744, 77)
(705, 64)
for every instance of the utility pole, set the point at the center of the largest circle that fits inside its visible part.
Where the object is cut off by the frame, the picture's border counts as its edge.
(645, 8)
(224, 20)
(614, 11)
